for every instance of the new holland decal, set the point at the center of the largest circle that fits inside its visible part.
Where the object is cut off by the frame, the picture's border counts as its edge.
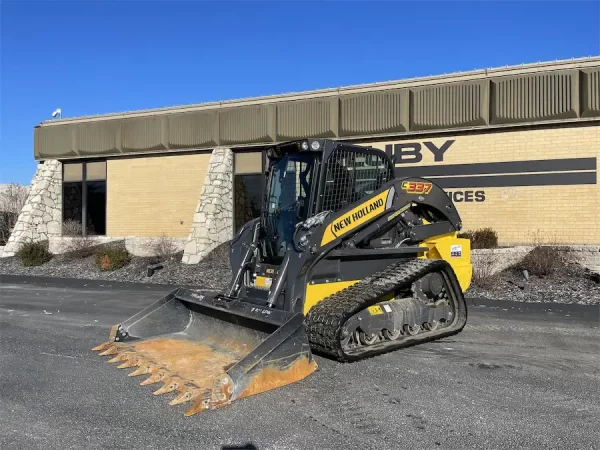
(355, 217)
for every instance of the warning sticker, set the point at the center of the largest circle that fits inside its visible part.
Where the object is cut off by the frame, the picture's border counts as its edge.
(387, 308)
(456, 251)
(375, 309)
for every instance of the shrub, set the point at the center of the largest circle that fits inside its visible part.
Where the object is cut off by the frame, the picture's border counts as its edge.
(34, 253)
(485, 270)
(112, 258)
(164, 247)
(80, 247)
(546, 257)
(482, 238)
(543, 260)
(72, 228)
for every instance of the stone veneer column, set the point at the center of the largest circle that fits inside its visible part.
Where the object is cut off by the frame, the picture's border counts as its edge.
(41, 215)
(213, 220)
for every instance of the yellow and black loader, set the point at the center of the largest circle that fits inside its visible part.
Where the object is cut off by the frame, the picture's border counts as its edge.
(346, 261)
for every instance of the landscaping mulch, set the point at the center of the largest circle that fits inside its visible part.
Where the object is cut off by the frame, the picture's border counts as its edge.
(575, 286)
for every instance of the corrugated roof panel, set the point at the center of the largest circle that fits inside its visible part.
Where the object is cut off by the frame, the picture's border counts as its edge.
(315, 118)
(246, 125)
(143, 134)
(530, 98)
(99, 138)
(373, 113)
(56, 142)
(192, 130)
(449, 106)
(590, 100)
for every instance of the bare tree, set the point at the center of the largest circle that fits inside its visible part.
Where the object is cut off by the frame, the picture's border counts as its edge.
(12, 200)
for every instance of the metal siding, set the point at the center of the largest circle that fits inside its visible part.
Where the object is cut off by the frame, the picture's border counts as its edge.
(501, 100)
(56, 142)
(250, 124)
(299, 119)
(374, 113)
(450, 106)
(98, 138)
(142, 134)
(192, 130)
(590, 93)
(530, 98)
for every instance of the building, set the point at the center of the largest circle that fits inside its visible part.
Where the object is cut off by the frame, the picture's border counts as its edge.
(515, 147)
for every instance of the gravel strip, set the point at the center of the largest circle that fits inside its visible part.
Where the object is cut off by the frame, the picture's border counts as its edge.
(212, 273)
(577, 287)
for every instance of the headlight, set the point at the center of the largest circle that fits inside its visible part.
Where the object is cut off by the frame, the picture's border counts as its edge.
(305, 145)
(315, 145)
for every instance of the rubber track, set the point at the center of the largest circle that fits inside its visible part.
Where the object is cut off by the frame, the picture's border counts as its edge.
(325, 320)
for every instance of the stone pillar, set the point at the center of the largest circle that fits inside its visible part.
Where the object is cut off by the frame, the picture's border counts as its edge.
(41, 215)
(213, 220)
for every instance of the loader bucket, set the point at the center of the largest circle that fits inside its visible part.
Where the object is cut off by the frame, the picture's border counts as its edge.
(208, 351)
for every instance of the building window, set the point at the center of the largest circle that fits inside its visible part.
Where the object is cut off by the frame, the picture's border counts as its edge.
(248, 198)
(249, 183)
(84, 196)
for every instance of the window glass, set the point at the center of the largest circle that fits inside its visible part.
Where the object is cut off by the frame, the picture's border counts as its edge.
(247, 198)
(72, 200)
(96, 208)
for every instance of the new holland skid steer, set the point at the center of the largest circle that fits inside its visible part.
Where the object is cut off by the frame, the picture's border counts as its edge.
(345, 260)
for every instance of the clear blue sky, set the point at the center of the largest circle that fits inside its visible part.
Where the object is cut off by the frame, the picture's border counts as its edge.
(94, 57)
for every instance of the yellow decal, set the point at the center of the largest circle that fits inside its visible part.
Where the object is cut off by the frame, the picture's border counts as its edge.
(416, 187)
(354, 218)
(263, 282)
(375, 310)
(400, 211)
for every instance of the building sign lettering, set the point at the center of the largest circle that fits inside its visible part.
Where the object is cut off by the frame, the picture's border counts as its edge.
(466, 196)
(412, 152)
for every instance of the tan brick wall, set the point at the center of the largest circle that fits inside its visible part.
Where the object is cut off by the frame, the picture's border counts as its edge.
(567, 214)
(150, 196)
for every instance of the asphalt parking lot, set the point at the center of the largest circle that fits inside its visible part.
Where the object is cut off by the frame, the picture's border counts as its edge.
(518, 376)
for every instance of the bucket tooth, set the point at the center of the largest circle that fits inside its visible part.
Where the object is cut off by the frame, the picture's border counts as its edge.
(123, 356)
(142, 369)
(131, 362)
(171, 384)
(188, 395)
(102, 346)
(112, 350)
(155, 377)
(202, 403)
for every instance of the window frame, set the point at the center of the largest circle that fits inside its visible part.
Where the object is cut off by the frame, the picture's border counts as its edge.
(84, 200)
(263, 178)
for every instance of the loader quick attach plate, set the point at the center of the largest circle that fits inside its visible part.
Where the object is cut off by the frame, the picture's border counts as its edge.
(210, 351)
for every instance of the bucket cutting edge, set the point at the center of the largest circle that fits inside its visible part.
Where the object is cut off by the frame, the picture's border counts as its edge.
(209, 351)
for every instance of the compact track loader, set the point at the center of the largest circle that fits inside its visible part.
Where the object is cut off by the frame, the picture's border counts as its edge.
(345, 260)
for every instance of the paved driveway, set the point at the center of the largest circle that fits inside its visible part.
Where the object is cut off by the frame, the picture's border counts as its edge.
(519, 376)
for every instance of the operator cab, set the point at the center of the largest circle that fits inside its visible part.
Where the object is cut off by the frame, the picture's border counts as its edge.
(307, 177)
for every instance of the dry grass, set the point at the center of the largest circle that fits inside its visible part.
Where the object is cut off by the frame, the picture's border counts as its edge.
(164, 247)
(72, 228)
(485, 273)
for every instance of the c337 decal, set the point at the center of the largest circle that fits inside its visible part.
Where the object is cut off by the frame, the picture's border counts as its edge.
(417, 187)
